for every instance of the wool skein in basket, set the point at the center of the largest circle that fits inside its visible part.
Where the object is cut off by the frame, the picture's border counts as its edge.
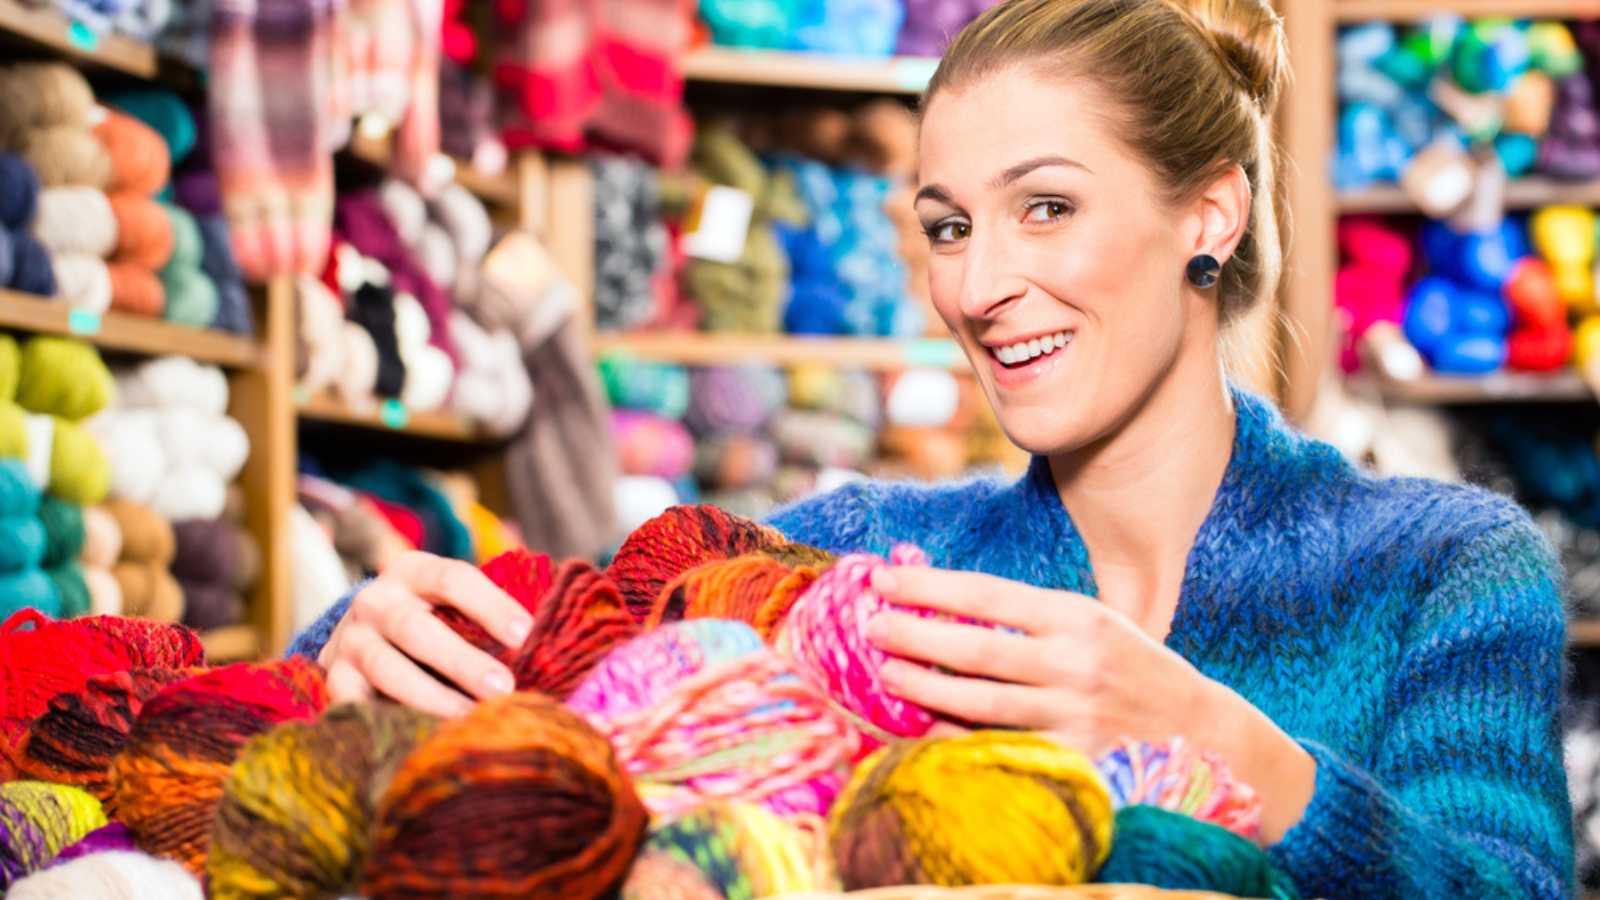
(38, 820)
(1173, 851)
(518, 798)
(166, 783)
(676, 541)
(297, 810)
(988, 807)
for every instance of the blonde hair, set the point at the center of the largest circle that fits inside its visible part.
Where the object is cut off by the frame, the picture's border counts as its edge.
(1193, 83)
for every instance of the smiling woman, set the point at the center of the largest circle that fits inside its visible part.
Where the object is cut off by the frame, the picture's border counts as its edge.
(1380, 659)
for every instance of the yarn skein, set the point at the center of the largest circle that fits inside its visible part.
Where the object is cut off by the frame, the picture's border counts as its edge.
(1174, 775)
(113, 875)
(63, 377)
(1173, 851)
(755, 589)
(676, 541)
(37, 820)
(740, 851)
(988, 807)
(519, 798)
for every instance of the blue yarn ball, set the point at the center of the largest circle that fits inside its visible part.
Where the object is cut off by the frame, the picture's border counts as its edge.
(31, 271)
(19, 496)
(22, 543)
(28, 588)
(19, 191)
(7, 252)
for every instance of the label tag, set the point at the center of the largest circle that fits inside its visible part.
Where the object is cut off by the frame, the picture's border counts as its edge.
(718, 224)
(394, 414)
(83, 37)
(937, 353)
(913, 73)
(83, 321)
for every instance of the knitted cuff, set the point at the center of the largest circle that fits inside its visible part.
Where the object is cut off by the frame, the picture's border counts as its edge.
(1342, 828)
(309, 642)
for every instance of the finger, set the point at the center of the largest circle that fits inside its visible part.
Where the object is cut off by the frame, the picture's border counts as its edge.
(346, 684)
(962, 648)
(398, 678)
(947, 730)
(978, 596)
(983, 703)
(461, 585)
(410, 625)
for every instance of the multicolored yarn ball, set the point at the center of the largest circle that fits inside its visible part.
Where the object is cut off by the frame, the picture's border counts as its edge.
(988, 807)
(737, 399)
(755, 589)
(676, 541)
(297, 810)
(75, 740)
(167, 781)
(740, 728)
(63, 377)
(113, 875)
(37, 820)
(1170, 850)
(40, 658)
(740, 851)
(109, 837)
(1174, 775)
(519, 798)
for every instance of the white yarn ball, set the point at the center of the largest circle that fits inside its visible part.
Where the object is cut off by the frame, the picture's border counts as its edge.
(472, 342)
(227, 447)
(359, 376)
(193, 493)
(640, 498)
(924, 398)
(467, 222)
(82, 281)
(476, 396)
(112, 875)
(319, 577)
(76, 219)
(178, 381)
(133, 445)
(428, 376)
(406, 209)
(436, 254)
(41, 432)
(105, 594)
(411, 328)
(191, 439)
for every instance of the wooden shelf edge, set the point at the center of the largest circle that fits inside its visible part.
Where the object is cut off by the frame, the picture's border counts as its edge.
(436, 425)
(693, 349)
(1349, 11)
(131, 333)
(49, 28)
(232, 644)
(497, 190)
(815, 71)
(1583, 632)
(1496, 387)
(1521, 194)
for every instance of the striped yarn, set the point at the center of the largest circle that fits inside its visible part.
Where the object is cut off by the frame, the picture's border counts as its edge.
(37, 820)
(167, 782)
(519, 798)
(297, 810)
(1173, 775)
(754, 588)
(743, 728)
(116, 875)
(75, 740)
(1173, 851)
(740, 851)
(676, 541)
(988, 807)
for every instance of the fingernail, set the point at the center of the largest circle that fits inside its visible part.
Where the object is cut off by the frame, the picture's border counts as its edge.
(499, 683)
(518, 631)
(884, 581)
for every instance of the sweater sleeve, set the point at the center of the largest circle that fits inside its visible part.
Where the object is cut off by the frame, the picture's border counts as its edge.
(1465, 795)
(309, 641)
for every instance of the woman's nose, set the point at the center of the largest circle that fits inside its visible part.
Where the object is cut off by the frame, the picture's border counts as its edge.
(990, 282)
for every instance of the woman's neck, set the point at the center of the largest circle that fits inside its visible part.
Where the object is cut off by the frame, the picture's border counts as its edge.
(1139, 497)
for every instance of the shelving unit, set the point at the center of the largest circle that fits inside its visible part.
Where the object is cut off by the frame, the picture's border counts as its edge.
(496, 190)
(1521, 194)
(127, 333)
(391, 417)
(1499, 387)
(785, 350)
(1411, 10)
(50, 30)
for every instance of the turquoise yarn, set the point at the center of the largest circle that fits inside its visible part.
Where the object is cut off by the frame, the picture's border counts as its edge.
(22, 543)
(28, 588)
(188, 246)
(19, 496)
(63, 531)
(1170, 850)
(167, 114)
(192, 297)
(660, 388)
(71, 590)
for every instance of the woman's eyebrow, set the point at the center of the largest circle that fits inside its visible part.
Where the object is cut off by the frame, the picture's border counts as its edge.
(933, 192)
(1012, 173)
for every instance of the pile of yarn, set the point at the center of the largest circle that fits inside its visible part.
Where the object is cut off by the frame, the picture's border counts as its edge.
(732, 849)
(24, 262)
(1176, 776)
(40, 820)
(146, 230)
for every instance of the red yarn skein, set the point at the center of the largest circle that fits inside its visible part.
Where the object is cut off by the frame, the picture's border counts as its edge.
(676, 541)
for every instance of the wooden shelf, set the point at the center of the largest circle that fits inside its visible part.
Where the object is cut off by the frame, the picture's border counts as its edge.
(1521, 193)
(693, 349)
(813, 71)
(392, 418)
(1583, 633)
(1411, 10)
(1497, 387)
(235, 643)
(131, 333)
(499, 190)
(51, 29)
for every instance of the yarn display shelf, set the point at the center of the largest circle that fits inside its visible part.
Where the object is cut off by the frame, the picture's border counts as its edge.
(1521, 194)
(1496, 387)
(390, 418)
(131, 333)
(498, 190)
(695, 349)
(1404, 10)
(810, 71)
(235, 643)
(43, 26)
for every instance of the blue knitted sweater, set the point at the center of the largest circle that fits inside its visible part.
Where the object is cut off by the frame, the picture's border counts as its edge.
(1408, 633)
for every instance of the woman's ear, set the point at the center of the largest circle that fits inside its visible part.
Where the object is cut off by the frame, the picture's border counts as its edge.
(1224, 208)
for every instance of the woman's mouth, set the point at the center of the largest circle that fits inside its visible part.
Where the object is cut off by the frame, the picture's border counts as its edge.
(1022, 353)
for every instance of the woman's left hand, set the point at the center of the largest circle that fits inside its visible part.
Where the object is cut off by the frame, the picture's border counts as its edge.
(1077, 670)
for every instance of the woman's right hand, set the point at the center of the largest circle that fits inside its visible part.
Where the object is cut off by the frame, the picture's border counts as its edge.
(390, 629)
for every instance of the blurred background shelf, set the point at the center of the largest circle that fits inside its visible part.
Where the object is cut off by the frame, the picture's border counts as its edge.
(500, 190)
(882, 354)
(773, 68)
(392, 418)
(1584, 633)
(235, 642)
(1521, 194)
(1498, 387)
(1407, 10)
(131, 333)
(53, 31)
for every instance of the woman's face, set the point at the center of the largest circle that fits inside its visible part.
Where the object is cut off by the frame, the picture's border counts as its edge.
(1054, 261)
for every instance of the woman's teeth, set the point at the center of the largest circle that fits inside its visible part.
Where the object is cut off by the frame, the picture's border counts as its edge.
(1023, 351)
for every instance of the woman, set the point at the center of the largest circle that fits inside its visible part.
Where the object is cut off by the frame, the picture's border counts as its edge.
(1381, 659)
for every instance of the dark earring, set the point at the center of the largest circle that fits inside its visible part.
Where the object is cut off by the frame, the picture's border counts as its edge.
(1202, 270)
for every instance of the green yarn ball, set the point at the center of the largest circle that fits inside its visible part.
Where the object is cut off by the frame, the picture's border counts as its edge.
(1174, 851)
(22, 543)
(188, 247)
(192, 297)
(63, 377)
(79, 472)
(71, 590)
(10, 368)
(19, 496)
(13, 431)
(63, 531)
(28, 588)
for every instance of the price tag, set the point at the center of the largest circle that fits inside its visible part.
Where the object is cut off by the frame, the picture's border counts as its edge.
(394, 414)
(932, 352)
(83, 37)
(719, 224)
(83, 321)
(914, 74)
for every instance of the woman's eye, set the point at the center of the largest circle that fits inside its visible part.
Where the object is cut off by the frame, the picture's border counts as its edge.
(1047, 211)
(945, 232)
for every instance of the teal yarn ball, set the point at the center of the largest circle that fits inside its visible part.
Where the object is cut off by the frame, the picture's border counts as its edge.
(19, 495)
(1174, 851)
(28, 588)
(188, 245)
(191, 297)
(660, 388)
(63, 531)
(22, 543)
(167, 114)
(71, 590)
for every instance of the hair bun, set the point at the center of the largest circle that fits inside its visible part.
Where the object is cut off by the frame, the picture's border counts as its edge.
(1247, 37)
